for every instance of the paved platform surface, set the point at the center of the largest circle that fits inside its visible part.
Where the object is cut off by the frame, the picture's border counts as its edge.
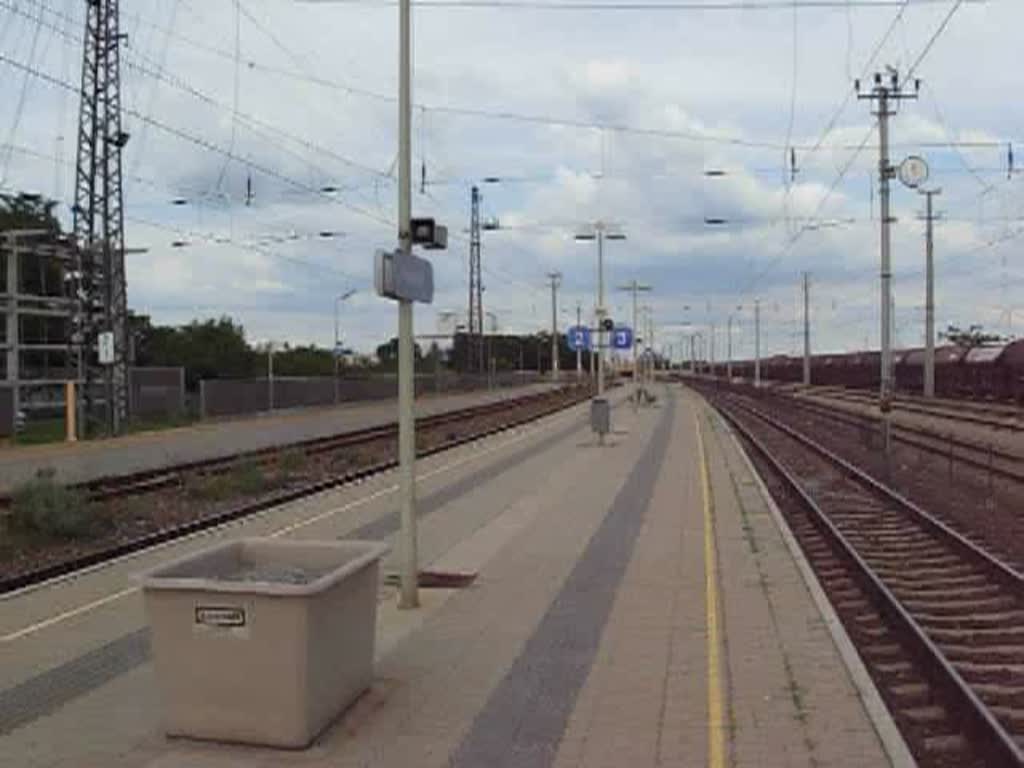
(151, 450)
(637, 605)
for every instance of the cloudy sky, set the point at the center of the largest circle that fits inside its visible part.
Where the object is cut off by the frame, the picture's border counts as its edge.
(585, 113)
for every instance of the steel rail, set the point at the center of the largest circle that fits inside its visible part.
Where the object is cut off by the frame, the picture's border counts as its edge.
(571, 396)
(143, 481)
(909, 433)
(990, 738)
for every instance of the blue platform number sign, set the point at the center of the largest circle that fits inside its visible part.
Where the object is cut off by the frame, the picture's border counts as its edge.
(622, 338)
(578, 337)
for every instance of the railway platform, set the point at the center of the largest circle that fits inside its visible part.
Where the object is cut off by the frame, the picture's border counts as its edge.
(81, 462)
(637, 604)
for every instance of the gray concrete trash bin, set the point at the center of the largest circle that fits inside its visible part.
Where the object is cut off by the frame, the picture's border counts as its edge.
(262, 641)
(600, 416)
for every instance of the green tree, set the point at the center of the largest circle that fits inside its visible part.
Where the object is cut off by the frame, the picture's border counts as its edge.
(387, 354)
(304, 361)
(28, 211)
(972, 336)
(209, 349)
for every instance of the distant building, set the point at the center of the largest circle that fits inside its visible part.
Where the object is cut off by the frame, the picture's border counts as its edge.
(35, 318)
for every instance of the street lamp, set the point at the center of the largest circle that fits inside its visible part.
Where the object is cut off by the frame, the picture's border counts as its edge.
(635, 288)
(490, 346)
(728, 362)
(600, 232)
(337, 341)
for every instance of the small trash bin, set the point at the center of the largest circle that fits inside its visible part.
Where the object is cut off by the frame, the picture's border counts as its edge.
(263, 641)
(600, 416)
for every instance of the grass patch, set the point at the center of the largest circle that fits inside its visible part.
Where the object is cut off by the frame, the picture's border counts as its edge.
(171, 421)
(44, 507)
(44, 431)
(246, 479)
(291, 462)
(41, 432)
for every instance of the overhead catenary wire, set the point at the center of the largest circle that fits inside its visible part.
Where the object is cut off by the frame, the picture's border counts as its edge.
(539, 119)
(667, 5)
(935, 36)
(19, 107)
(204, 144)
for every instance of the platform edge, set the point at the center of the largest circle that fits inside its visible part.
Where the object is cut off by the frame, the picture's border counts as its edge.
(881, 720)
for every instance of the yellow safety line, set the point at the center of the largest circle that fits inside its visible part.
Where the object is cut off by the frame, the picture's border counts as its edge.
(716, 720)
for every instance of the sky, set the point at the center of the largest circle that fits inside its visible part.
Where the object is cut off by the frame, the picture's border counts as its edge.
(652, 120)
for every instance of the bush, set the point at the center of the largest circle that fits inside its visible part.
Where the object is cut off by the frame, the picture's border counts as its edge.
(241, 480)
(248, 478)
(44, 506)
(291, 462)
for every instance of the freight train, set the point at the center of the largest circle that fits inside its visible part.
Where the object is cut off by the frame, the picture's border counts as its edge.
(987, 372)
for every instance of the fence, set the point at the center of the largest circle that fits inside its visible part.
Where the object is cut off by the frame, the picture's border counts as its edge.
(6, 411)
(156, 392)
(236, 397)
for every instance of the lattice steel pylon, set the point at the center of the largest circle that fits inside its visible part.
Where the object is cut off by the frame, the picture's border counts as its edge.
(97, 283)
(475, 317)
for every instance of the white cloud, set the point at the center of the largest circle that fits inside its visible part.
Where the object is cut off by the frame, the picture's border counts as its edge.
(718, 76)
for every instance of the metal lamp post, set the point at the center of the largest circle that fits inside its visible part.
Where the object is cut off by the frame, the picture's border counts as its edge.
(337, 341)
(635, 288)
(601, 232)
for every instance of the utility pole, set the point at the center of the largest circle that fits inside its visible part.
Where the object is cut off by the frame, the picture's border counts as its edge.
(579, 351)
(728, 350)
(634, 287)
(885, 93)
(651, 360)
(714, 333)
(337, 343)
(807, 330)
(270, 375)
(556, 279)
(757, 343)
(409, 595)
(97, 283)
(601, 230)
(929, 293)
(475, 316)
(593, 361)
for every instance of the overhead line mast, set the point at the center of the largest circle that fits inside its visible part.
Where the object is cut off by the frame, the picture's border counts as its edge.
(98, 348)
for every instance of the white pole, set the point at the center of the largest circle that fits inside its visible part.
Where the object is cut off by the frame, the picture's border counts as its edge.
(884, 171)
(929, 299)
(636, 366)
(728, 363)
(406, 418)
(579, 350)
(714, 333)
(270, 376)
(807, 331)
(337, 388)
(600, 312)
(757, 343)
(555, 276)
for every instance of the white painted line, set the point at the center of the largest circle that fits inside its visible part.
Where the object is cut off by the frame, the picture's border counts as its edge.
(544, 424)
(60, 617)
(878, 713)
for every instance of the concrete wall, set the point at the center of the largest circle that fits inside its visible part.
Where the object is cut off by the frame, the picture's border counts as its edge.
(236, 397)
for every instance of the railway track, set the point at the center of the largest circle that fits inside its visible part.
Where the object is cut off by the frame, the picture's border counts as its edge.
(985, 457)
(937, 619)
(111, 487)
(513, 412)
(989, 415)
